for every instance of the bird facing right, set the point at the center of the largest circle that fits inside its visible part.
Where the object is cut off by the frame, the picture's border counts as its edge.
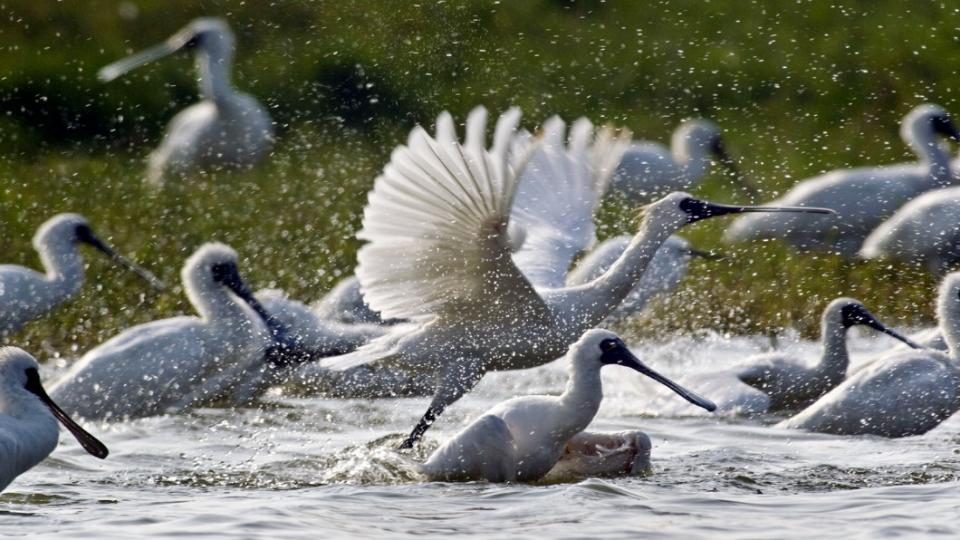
(523, 438)
(28, 418)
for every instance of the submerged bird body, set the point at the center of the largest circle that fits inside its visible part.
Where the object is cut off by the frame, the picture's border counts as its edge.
(226, 128)
(791, 384)
(26, 294)
(170, 364)
(777, 382)
(907, 393)
(863, 197)
(522, 439)
(28, 418)
(322, 337)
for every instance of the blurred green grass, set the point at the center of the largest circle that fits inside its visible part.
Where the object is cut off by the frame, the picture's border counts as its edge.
(798, 88)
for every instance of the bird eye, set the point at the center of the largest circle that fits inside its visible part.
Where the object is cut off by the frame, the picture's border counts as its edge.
(220, 271)
(83, 233)
(609, 344)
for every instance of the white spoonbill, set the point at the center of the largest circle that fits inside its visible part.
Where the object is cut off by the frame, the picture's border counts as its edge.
(863, 197)
(775, 382)
(439, 253)
(664, 273)
(26, 294)
(226, 128)
(523, 438)
(925, 231)
(167, 365)
(907, 393)
(28, 418)
(552, 213)
(650, 170)
(789, 383)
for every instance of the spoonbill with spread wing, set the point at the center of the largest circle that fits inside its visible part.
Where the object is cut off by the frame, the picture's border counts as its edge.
(439, 253)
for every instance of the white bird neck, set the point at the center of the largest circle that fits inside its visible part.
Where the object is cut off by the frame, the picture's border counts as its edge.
(584, 306)
(925, 143)
(62, 263)
(213, 301)
(214, 69)
(948, 314)
(834, 359)
(581, 398)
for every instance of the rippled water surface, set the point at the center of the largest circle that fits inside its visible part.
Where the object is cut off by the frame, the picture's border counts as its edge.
(323, 468)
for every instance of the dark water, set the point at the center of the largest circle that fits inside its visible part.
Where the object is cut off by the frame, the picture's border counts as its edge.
(319, 468)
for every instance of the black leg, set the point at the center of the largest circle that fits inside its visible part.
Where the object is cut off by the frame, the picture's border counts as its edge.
(422, 426)
(452, 383)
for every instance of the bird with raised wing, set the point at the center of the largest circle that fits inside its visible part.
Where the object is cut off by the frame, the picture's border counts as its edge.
(439, 253)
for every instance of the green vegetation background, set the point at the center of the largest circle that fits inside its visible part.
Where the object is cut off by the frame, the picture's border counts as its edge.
(799, 88)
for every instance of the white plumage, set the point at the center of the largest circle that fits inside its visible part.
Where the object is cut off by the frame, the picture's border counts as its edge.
(907, 393)
(168, 365)
(226, 128)
(863, 197)
(523, 438)
(28, 418)
(439, 253)
(663, 274)
(649, 170)
(777, 382)
(926, 231)
(26, 294)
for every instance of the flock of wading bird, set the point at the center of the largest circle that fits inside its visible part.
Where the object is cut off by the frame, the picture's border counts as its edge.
(481, 255)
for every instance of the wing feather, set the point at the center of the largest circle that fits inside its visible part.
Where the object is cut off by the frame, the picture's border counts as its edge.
(436, 226)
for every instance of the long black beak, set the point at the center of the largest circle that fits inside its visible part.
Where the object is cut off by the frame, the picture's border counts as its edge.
(947, 128)
(89, 443)
(621, 355)
(699, 253)
(720, 151)
(697, 210)
(865, 318)
(86, 236)
(237, 285)
(285, 351)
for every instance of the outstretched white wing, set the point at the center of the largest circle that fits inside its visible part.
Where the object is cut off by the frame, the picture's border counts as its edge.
(607, 151)
(436, 222)
(559, 192)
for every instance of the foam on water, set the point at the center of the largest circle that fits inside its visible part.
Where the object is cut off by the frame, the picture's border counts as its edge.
(311, 467)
